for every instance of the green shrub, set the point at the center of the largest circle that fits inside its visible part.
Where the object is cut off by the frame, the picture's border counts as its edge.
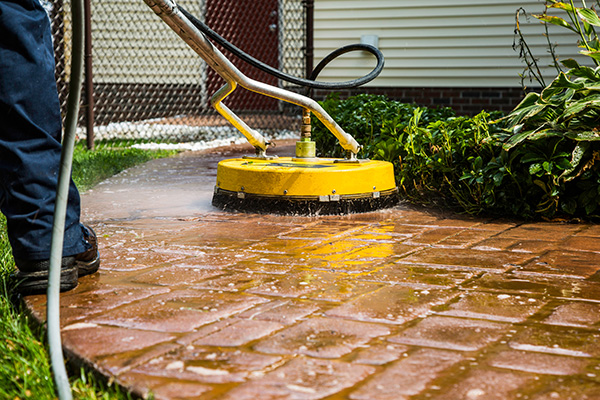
(369, 119)
(486, 164)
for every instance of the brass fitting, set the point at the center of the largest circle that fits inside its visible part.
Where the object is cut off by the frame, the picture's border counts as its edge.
(306, 148)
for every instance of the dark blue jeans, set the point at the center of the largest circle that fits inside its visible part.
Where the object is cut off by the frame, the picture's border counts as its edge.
(30, 134)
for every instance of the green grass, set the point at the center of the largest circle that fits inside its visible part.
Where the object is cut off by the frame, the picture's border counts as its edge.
(24, 364)
(92, 167)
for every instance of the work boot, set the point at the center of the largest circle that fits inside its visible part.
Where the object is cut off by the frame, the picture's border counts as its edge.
(88, 262)
(32, 277)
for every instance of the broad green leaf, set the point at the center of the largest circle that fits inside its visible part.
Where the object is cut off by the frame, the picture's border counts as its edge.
(570, 63)
(594, 54)
(530, 99)
(590, 136)
(578, 153)
(521, 111)
(580, 106)
(561, 5)
(584, 72)
(589, 16)
(546, 133)
(497, 177)
(547, 166)
(555, 21)
(563, 163)
(558, 85)
(588, 29)
(562, 81)
(532, 157)
(516, 139)
(535, 110)
(522, 136)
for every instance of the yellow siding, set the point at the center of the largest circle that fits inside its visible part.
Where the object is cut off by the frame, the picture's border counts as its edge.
(435, 43)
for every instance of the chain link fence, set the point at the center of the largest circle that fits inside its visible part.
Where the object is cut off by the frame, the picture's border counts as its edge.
(146, 83)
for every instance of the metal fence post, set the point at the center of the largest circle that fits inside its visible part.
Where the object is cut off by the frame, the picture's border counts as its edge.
(89, 77)
(309, 46)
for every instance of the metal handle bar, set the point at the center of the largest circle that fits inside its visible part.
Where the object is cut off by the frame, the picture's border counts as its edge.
(168, 11)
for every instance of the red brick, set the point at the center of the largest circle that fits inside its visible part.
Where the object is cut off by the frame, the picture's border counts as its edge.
(240, 332)
(485, 384)
(408, 376)
(84, 303)
(206, 364)
(495, 244)
(344, 290)
(283, 311)
(538, 363)
(392, 304)
(296, 284)
(406, 274)
(143, 386)
(589, 231)
(171, 310)
(582, 243)
(554, 231)
(495, 307)
(321, 338)
(566, 341)
(578, 314)
(302, 378)
(179, 311)
(574, 264)
(518, 284)
(379, 354)
(175, 275)
(568, 389)
(465, 258)
(452, 333)
(91, 341)
(533, 246)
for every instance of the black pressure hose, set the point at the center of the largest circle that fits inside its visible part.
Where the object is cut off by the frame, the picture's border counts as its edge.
(311, 81)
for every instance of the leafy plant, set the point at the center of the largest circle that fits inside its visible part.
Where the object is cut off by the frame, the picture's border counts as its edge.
(580, 20)
(558, 131)
(369, 119)
(540, 161)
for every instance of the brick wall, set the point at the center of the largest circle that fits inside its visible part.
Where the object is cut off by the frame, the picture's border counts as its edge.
(465, 101)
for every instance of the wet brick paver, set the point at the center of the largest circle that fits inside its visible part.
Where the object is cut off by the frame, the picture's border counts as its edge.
(195, 303)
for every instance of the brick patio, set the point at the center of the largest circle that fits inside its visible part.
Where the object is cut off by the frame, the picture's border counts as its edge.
(195, 303)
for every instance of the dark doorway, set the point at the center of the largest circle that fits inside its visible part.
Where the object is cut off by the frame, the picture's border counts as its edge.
(251, 25)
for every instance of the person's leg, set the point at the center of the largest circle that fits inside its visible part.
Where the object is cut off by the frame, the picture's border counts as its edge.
(30, 132)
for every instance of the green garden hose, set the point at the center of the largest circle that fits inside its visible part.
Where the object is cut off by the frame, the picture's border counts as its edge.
(58, 229)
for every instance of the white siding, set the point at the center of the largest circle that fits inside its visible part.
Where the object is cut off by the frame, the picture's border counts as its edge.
(435, 43)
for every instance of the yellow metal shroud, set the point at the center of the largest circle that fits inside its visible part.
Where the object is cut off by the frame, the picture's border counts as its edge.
(285, 176)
